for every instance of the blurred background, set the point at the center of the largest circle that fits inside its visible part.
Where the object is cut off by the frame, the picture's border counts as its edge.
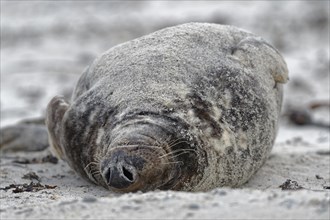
(45, 45)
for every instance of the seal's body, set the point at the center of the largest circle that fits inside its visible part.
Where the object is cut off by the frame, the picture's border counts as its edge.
(190, 107)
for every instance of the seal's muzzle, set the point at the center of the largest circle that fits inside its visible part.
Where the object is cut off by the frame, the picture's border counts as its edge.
(121, 170)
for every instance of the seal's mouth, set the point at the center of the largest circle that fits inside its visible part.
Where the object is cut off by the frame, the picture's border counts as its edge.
(133, 168)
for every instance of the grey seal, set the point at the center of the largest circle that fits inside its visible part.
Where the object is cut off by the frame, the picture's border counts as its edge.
(190, 107)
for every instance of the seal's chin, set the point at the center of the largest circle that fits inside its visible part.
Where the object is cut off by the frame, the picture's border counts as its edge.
(138, 168)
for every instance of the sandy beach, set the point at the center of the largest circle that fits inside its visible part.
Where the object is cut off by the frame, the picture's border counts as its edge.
(45, 46)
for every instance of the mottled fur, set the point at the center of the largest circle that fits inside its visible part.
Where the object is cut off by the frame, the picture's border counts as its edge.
(206, 96)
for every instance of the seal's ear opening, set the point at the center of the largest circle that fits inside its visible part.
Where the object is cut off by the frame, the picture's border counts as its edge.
(255, 52)
(55, 112)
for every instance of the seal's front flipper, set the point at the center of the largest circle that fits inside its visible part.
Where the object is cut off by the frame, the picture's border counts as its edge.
(254, 52)
(28, 135)
(55, 112)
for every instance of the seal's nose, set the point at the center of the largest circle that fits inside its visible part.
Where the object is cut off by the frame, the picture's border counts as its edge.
(121, 176)
(121, 170)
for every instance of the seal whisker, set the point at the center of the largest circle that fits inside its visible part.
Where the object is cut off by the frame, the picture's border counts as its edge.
(172, 157)
(96, 172)
(91, 168)
(172, 143)
(173, 178)
(167, 142)
(173, 162)
(89, 164)
(176, 151)
(175, 141)
(175, 185)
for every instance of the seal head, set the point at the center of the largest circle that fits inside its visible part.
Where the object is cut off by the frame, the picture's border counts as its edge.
(141, 151)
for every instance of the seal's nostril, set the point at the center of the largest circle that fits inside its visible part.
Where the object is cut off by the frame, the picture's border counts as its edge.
(107, 175)
(127, 174)
(116, 179)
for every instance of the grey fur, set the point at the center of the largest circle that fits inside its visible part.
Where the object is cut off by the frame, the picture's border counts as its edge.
(216, 87)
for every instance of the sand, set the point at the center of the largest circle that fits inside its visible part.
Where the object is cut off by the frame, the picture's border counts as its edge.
(296, 159)
(46, 45)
